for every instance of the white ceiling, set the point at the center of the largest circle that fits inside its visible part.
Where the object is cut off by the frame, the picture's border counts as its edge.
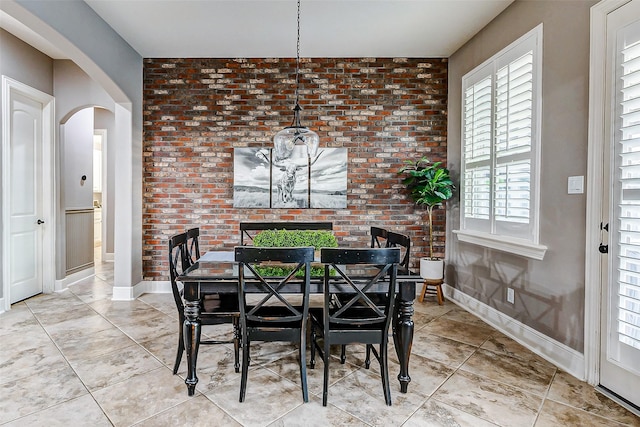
(267, 28)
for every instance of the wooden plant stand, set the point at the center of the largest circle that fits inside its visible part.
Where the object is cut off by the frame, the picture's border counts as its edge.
(437, 284)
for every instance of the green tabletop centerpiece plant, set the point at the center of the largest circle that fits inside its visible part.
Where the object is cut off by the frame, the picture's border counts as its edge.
(294, 238)
(429, 185)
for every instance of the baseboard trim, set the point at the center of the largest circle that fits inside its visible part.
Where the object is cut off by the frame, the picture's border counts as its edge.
(158, 287)
(73, 278)
(128, 293)
(564, 357)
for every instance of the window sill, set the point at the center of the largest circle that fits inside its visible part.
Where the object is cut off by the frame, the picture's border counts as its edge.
(506, 244)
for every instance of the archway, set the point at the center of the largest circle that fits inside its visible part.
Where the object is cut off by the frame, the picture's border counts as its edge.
(107, 52)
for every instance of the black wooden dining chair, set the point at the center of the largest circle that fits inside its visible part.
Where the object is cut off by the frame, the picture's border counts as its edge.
(361, 319)
(278, 314)
(214, 310)
(395, 240)
(381, 238)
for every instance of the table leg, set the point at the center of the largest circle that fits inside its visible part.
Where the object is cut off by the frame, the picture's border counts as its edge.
(403, 331)
(191, 334)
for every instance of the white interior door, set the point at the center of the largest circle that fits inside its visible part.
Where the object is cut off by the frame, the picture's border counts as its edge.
(620, 314)
(25, 200)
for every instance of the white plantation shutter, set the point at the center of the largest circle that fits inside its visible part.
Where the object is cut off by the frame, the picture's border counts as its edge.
(477, 129)
(512, 192)
(477, 201)
(500, 142)
(477, 150)
(628, 153)
(514, 107)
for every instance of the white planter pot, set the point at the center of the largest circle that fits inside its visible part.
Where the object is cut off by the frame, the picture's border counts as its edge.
(431, 269)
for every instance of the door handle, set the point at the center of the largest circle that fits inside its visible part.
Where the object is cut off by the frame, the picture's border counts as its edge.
(40, 222)
(604, 249)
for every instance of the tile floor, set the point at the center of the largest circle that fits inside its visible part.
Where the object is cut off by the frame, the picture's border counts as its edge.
(76, 358)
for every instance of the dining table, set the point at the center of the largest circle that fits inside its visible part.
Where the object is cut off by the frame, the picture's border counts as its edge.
(216, 272)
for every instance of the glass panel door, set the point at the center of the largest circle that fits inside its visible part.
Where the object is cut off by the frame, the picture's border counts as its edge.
(620, 347)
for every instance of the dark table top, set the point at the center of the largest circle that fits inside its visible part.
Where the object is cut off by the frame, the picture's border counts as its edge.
(218, 270)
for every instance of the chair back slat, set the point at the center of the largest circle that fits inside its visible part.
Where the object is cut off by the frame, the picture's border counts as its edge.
(360, 255)
(193, 246)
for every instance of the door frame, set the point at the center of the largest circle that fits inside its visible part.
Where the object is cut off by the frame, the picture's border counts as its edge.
(595, 183)
(105, 197)
(9, 88)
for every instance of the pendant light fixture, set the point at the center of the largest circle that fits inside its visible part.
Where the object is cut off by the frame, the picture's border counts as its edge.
(289, 137)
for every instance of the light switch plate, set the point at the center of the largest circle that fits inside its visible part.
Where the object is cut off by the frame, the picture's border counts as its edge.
(575, 185)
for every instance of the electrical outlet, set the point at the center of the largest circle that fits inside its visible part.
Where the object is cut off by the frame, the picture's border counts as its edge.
(510, 295)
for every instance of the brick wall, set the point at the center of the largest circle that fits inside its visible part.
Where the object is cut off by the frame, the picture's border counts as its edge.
(196, 111)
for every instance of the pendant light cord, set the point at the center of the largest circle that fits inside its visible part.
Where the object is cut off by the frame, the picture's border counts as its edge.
(298, 54)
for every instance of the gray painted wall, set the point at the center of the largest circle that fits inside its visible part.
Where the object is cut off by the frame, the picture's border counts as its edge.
(76, 136)
(86, 31)
(25, 64)
(102, 54)
(73, 90)
(549, 294)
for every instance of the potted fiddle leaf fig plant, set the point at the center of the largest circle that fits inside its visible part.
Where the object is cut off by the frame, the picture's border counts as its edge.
(429, 185)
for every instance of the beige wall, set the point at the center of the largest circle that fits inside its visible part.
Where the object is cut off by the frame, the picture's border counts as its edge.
(549, 294)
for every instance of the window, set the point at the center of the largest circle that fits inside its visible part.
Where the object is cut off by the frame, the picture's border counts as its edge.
(500, 149)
